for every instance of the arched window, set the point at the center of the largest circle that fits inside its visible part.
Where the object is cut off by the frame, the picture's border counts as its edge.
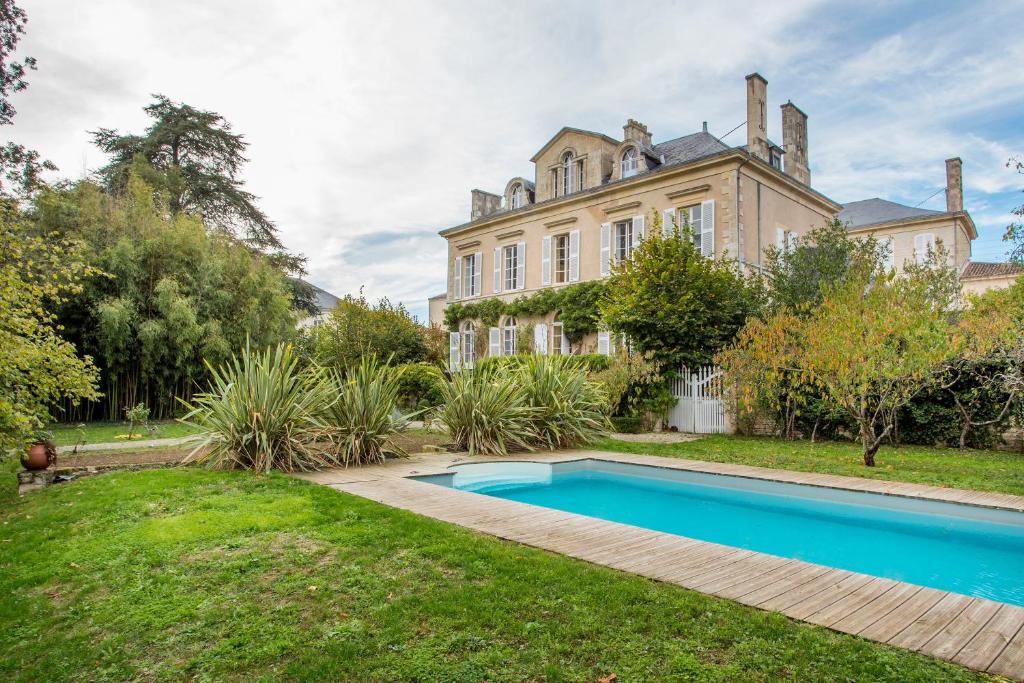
(568, 173)
(467, 344)
(630, 163)
(515, 197)
(559, 342)
(508, 337)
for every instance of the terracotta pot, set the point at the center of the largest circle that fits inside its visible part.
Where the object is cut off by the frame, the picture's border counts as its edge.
(35, 458)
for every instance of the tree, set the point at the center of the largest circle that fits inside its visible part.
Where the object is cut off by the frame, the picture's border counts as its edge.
(197, 159)
(1015, 230)
(673, 303)
(170, 295)
(356, 328)
(37, 367)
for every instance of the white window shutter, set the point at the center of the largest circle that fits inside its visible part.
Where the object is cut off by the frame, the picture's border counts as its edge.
(889, 246)
(922, 243)
(638, 230)
(469, 357)
(606, 248)
(780, 239)
(668, 222)
(497, 270)
(545, 260)
(540, 338)
(478, 261)
(603, 343)
(707, 233)
(494, 342)
(521, 265)
(565, 343)
(574, 256)
(453, 350)
(791, 239)
(458, 278)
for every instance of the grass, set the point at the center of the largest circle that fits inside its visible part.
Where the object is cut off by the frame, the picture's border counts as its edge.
(190, 574)
(107, 432)
(979, 470)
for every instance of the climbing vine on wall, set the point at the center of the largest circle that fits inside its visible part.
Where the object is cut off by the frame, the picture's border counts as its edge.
(576, 305)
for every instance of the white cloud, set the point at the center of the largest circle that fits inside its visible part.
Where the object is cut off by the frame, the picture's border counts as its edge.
(366, 119)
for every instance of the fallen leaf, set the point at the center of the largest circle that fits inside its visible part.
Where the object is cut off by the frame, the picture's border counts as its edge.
(312, 589)
(608, 679)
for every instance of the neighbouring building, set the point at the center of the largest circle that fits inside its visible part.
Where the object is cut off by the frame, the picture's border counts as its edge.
(591, 198)
(324, 301)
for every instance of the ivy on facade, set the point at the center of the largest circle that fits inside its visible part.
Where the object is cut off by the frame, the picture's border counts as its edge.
(576, 305)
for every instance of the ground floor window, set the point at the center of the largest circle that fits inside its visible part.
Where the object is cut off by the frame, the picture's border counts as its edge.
(467, 345)
(508, 337)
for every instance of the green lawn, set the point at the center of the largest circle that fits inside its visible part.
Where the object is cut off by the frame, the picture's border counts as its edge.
(980, 470)
(107, 432)
(190, 574)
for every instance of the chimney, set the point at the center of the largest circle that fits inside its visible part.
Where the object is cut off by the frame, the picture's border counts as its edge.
(637, 132)
(794, 142)
(757, 124)
(954, 185)
(483, 204)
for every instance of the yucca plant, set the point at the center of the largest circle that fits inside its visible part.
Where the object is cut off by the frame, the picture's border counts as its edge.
(363, 421)
(262, 413)
(569, 408)
(486, 412)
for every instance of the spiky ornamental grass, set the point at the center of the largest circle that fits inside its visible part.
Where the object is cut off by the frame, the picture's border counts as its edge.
(262, 412)
(362, 421)
(569, 407)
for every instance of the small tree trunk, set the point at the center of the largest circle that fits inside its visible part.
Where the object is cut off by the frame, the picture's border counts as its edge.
(869, 455)
(869, 442)
(814, 430)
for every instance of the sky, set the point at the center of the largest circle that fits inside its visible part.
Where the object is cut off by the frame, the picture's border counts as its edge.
(369, 123)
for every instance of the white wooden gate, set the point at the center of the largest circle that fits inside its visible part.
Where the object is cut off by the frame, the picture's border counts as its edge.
(699, 408)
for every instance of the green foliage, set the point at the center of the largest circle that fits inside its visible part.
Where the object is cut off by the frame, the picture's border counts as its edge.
(136, 415)
(796, 277)
(38, 367)
(569, 407)
(361, 420)
(171, 294)
(673, 303)
(262, 413)
(627, 424)
(419, 385)
(486, 412)
(356, 328)
(576, 305)
(633, 385)
(1015, 230)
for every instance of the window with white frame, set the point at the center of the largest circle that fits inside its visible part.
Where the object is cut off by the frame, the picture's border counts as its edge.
(515, 197)
(568, 173)
(467, 344)
(924, 244)
(471, 275)
(630, 163)
(510, 264)
(508, 337)
(623, 240)
(691, 216)
(560, 243)
(559, 342)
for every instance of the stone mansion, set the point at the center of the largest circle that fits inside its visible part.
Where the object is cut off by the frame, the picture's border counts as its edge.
(591, 197)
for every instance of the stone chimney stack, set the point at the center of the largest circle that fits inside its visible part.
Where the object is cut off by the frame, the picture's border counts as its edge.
(636, 131)
(483, 204)
(794, 142)
(954, 185)
(757, 122)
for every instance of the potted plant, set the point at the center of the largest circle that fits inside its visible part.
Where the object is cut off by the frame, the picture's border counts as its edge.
(40, 452)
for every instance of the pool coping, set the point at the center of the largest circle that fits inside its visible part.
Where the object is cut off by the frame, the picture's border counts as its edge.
(977, 633)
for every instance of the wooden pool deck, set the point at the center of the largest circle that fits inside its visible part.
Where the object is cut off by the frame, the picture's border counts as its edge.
(976, 633)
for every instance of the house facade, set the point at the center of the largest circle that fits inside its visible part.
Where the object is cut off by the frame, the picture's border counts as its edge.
(591, 198)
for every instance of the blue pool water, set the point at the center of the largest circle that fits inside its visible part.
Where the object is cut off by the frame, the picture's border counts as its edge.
(961, 548)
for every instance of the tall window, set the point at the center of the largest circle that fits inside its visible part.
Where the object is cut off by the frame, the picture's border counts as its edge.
(508, 337)
(467, 344)
(568, 173)
(561, 255)
(691, 216)
(515, 199)
(470, 275)
(559, 343)
(623, 240)
(510, 258)
(630, 163)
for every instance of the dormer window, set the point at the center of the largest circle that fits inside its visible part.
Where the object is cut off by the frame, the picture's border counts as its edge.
(630, 163)
(775, 158)
(515, 197)
(568, 173)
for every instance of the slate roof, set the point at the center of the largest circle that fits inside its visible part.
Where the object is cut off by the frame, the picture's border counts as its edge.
(689, 148)
(982, 269)
(875, 210)
(324, 300)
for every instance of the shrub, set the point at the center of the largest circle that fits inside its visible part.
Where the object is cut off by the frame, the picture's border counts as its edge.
(261, 413)
(627, 424)
(138, 415)
(486, 412)
(363, 419)
(569, 407)
(419, 385)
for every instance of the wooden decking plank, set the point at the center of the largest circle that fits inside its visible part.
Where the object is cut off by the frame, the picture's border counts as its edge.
(697, 575)
(746, 569)
(718, 558)
(847, 605)
(799, 577)
(744, 585)
(831, 594)
(913, 608)
(983, 649)
(956, 634)
(916, 634)
(1010, 662)
(859, 619)
(785, 598)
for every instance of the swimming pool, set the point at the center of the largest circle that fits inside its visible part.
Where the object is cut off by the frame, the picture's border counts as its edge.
(965, 549)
